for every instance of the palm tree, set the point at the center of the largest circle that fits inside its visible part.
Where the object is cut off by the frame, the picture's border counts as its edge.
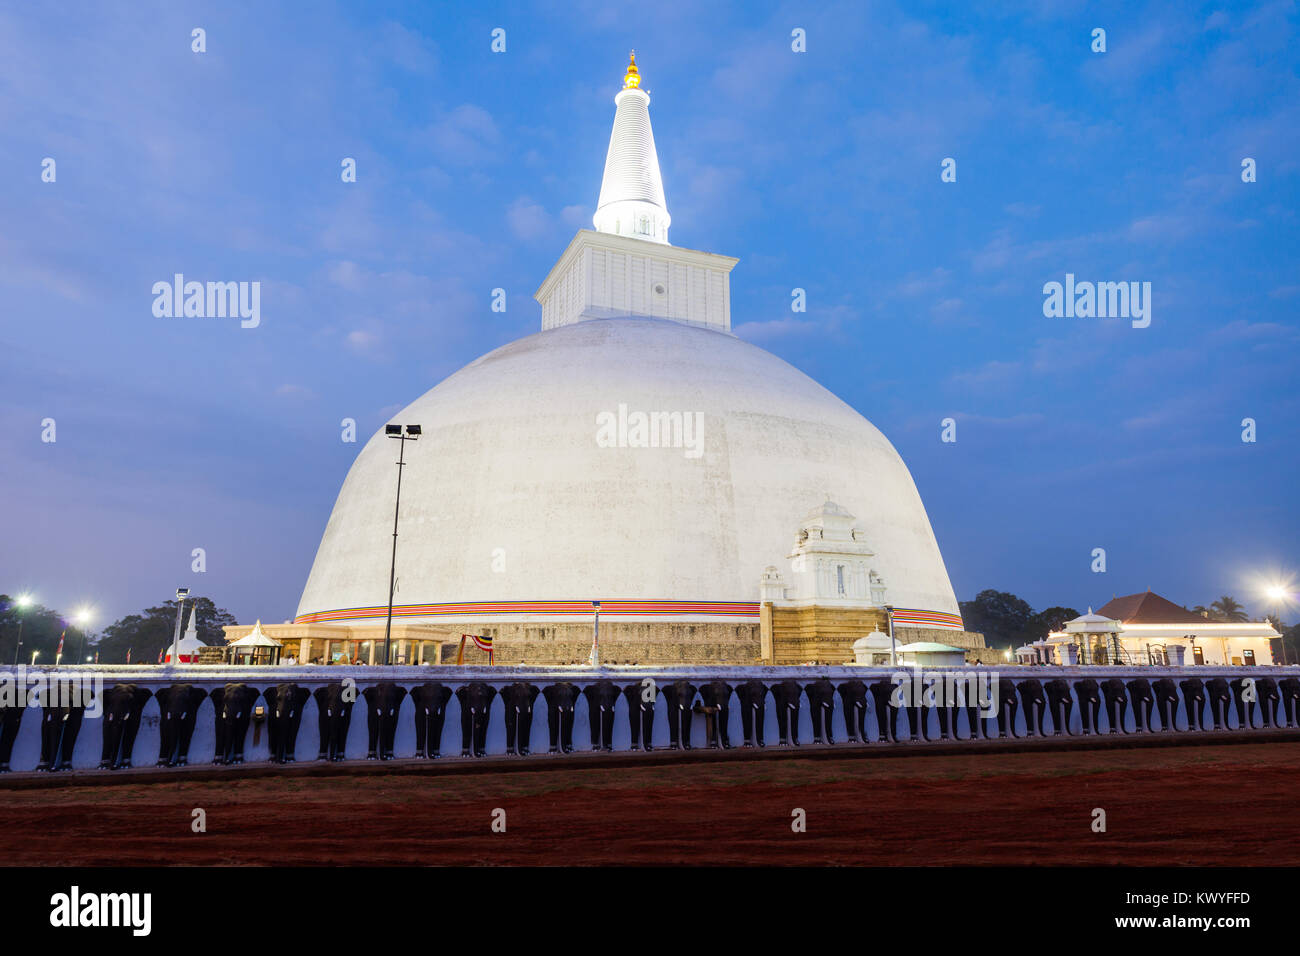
(1227, 609)
(1202, 610)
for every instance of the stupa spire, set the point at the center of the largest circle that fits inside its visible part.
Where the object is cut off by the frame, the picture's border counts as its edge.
(632, 193)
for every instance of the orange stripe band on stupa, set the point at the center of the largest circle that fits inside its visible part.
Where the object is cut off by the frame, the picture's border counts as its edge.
(732, 609)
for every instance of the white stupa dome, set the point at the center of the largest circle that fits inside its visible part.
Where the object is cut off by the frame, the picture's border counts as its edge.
(509, 460)
(527, 496)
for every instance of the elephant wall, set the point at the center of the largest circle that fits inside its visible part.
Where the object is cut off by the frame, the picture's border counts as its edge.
(792, 689)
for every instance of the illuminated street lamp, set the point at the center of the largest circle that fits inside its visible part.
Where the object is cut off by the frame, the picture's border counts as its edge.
(20, 602)
(412, 434)
(83, 618)
(35, 654)
(1280, 595)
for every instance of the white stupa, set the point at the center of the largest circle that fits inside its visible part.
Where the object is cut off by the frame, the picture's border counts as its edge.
(187, 648)
(635, 451)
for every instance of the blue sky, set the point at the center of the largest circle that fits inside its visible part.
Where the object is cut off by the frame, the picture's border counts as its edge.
(819, 170)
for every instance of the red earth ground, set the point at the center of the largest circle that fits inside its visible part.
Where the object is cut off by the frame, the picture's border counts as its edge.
(1190, 805)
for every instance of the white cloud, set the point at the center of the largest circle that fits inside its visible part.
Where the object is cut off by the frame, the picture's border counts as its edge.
(527, 219)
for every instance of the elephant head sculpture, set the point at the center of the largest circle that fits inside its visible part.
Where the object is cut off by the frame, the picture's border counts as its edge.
(1246, 692)
(853, 698)
(1289, 688)
(334, 704)
(1219, 695)
(383, 705)
(1239, 689)
(716, 696)
(1089, 695)
(1116, 704)
(786, 694)
(886, 708)
(1139, 691)
(1035, 703)
(679, 699)
(1194, 701)
(518, 699)
(1060, 700)
(601, 698)
(821, 707)
(122, 707)
(475, 712)
(640, 699)
(11, 718)
(561, 700)
(62, 711)
(1266, 691)
(233, 708)
(752, 695)
(1166, 693)
(430, 703)
(284, 704)
(1007, 707)
(178, 707)
(950, 700)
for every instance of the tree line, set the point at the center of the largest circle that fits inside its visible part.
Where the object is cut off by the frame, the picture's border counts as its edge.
(1007, 621)
(144, 634)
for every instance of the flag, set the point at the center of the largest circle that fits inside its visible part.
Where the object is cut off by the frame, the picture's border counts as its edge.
(59, 652)
(96, 657)
(482, 643)
(128, 655)
(160, 654)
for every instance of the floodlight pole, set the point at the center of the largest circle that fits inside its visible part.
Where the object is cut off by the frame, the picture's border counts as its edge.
(181, 595)
(893, 646)
(412, 433)
(1277, 613)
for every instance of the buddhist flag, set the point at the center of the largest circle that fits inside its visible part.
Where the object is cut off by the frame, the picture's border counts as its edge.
(59, 653)
(483, 644)
(160, 654)
(128, 655)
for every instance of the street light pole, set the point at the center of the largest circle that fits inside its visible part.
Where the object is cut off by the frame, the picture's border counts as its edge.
(1281, 595)
(893, 646)
(181, 595)
(20, 602)
(412, 433)
(19, 649)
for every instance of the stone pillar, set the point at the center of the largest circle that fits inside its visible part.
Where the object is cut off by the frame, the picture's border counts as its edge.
(304, 650)
(765, 631)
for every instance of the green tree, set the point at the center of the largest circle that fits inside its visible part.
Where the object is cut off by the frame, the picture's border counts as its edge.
(1044, 622)
(147, 633)
(1001, 617)
(40, 632)
(1227, 609)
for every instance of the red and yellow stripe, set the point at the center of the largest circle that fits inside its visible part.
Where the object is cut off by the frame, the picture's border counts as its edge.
(740, 609)
(731, 609)
(915, 617)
